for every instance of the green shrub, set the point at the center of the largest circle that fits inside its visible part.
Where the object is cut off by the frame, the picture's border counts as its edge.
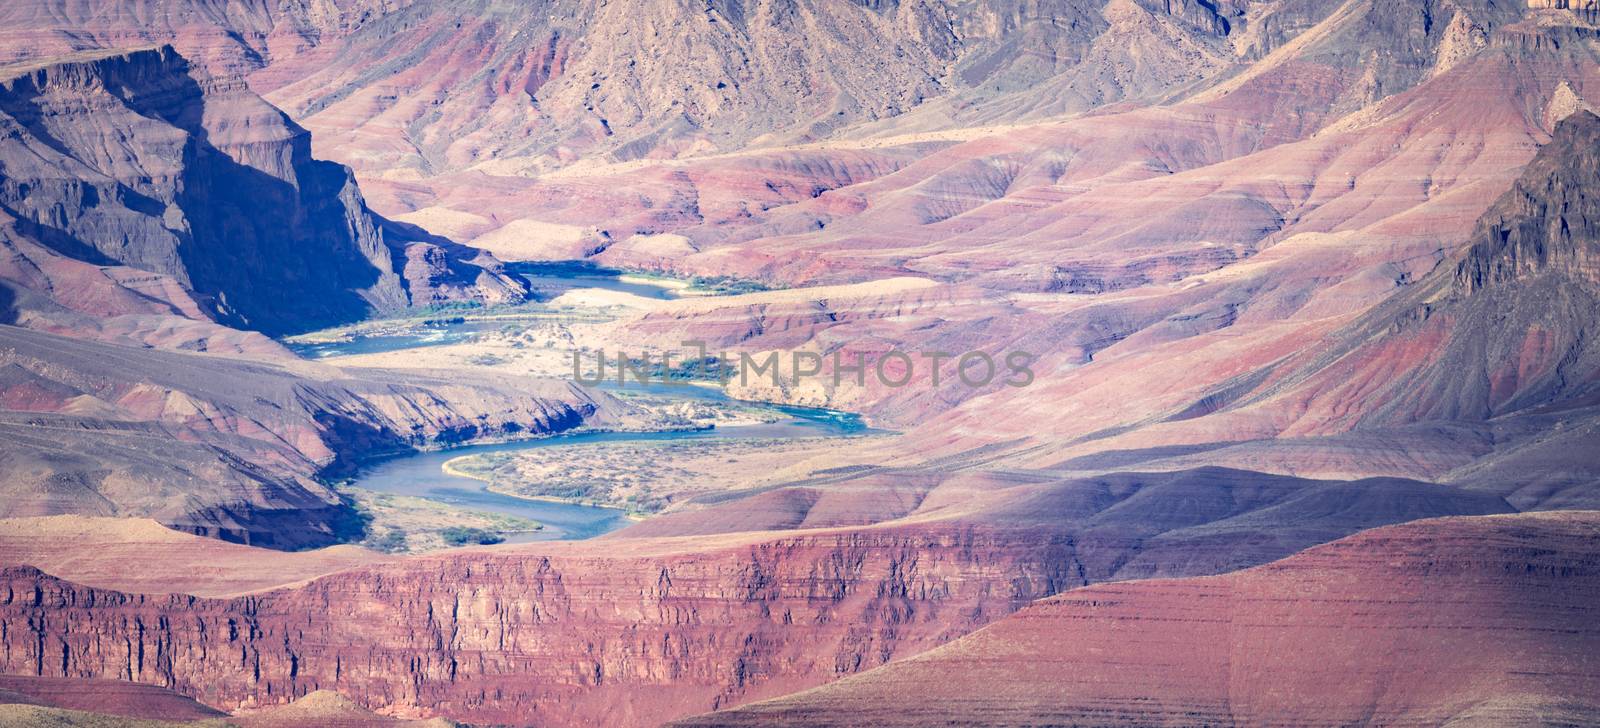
(392, 542)
(462, 535)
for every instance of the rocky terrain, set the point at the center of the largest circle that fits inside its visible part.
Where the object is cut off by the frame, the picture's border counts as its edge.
(1263, 222)
(203, 198)
(1288, 272)
(527, 88)
(1354, 632)
(227, 447)
(1462, 368)
(1477, 375)
(559, 633)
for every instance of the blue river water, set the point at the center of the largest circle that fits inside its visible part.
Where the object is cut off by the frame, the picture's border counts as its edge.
(421, 474)
(547, 280)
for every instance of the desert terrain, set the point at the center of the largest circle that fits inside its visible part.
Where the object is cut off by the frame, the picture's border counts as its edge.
(364, 363)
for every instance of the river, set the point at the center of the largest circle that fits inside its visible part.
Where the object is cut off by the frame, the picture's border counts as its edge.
(422, 474)
(548, 280)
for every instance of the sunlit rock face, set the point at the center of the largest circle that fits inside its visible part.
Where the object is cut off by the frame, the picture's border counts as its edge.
(232, 448)
(569, 634)
(1264, 252)
(1307, 640)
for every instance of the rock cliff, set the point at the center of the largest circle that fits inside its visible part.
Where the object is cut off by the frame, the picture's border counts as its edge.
(1504, 326)
(557, 634)
(136, 159)
(1473, 621)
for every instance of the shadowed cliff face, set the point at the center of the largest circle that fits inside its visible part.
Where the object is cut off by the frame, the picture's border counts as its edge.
(136, 160)
(1548, 223)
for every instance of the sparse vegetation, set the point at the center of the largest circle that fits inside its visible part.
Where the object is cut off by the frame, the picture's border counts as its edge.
(703, 369)
(391, 542)
(462, 536)
(409, 524)
(727, 285)
(641, 477)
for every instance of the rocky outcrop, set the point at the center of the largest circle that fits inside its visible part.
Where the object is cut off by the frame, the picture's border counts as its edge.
(135, 159)
(1506, 326)
(1479, 621)
(1588, 10)
(625, 635)
(224, 36)
(230, 448)
(1548, 222)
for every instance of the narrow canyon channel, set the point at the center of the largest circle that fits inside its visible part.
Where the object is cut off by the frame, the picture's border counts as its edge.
(423, 474)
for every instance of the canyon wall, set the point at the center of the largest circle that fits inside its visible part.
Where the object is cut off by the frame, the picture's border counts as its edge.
(136, 159)
(227, 447)
(562, 634)
(566, 634)
(230, 37)
(1456, 621)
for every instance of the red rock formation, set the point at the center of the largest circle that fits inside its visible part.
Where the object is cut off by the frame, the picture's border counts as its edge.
(624, 635)
(96, 551)
(107, 697)
(1479, 620)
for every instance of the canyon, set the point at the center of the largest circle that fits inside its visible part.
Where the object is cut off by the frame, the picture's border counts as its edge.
(149, 209)
(184, 182)
(1503, 604)
(234, 448)
(564, 634)
(1308, 289)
